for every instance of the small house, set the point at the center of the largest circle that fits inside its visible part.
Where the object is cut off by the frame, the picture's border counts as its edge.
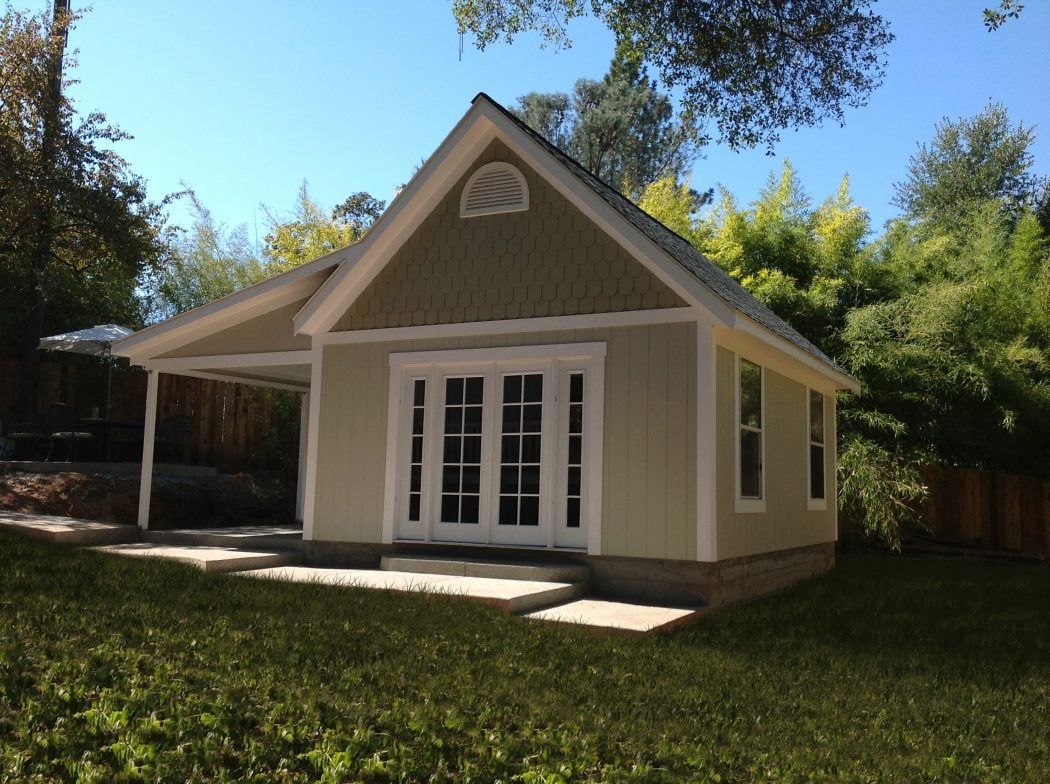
(517, 361)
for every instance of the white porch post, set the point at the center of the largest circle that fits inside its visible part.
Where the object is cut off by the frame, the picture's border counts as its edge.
(148, 437)
(706, 432)
(313, 419)
(304, 430)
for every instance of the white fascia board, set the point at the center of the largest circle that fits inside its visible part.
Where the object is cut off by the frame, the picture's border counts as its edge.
(255, 300)
(621, 318)
(784, 357)
(235, 377)
(412, 206)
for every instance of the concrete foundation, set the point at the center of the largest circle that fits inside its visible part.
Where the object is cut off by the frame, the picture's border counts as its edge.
(637, 579)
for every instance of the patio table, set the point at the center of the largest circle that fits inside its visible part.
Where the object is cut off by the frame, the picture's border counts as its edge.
(110, 431)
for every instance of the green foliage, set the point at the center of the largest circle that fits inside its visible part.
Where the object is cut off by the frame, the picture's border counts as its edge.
(970, 162)
(880, 489)
(312, 232)
(886, 670)
(996, 16)
(77, 231)
(808, 265)
(207, 262)
(752, 68)
(621, 129)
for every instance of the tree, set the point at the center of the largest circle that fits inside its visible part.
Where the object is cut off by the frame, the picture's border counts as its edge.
(970, 162)
(77, 231)
(751, 67)
(313, 232)
(207, 262)
(621, 129)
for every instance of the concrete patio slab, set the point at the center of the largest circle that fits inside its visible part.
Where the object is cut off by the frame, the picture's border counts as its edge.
(512, 596)
(208, 559)
(67, 530)
(618, 616)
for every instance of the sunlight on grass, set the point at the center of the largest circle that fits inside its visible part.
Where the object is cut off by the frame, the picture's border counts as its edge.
(885, 670)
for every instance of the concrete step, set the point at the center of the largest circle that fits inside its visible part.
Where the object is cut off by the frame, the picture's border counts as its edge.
(618, 617)
(208, 559)
(257, 537)
(513, 596)
(67, 530)
(502, 570)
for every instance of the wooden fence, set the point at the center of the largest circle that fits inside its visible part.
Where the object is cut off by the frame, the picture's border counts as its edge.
(230, 421)
(997, 511)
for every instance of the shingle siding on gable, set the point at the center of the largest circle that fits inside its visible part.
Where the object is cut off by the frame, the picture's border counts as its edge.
(550, 260)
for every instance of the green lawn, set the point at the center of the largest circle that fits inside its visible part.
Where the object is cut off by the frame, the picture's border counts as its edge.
(117, 669)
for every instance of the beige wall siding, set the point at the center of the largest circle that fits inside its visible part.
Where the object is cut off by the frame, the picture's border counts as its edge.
(649, 460)
(549, 260)
(786, 522)
(269, 332)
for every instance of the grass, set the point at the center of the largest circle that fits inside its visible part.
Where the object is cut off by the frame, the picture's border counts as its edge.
(887, 670)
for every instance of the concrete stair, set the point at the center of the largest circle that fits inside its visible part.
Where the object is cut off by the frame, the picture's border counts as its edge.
(207, 559)
(257, 537)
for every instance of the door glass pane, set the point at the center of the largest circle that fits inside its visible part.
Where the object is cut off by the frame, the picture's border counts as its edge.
(575, 453)
(522, 412)
(461, 469)
(415, 463)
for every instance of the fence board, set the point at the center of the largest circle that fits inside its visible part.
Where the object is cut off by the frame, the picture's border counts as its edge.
(1001, 511)
(230, 421)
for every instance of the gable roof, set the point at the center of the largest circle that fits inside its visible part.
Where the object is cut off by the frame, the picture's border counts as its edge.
(675, 246)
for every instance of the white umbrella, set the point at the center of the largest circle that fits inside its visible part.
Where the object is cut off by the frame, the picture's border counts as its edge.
(97, 341)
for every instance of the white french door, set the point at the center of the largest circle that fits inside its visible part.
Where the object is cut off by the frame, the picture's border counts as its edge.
(502, 450)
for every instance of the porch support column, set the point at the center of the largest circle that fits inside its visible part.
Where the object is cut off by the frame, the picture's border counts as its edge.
(304, 431)
(149, 435)
(706, 433)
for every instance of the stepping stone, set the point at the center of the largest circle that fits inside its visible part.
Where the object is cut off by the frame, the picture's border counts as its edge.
(618, 616)
(67, 530)
(208, 559)
(511, 596)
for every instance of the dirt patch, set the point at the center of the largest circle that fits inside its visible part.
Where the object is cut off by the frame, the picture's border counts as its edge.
(177, 502)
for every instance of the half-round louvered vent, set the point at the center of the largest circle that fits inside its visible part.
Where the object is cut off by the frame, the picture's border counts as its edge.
(494, 188)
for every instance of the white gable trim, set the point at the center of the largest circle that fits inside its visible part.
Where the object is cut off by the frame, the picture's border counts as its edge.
(412, 206)
(228, 311)
(457, 153)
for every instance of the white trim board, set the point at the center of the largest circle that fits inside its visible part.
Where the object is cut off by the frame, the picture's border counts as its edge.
(626, 318)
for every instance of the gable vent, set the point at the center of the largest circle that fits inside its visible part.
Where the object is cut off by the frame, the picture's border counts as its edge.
(494, 188)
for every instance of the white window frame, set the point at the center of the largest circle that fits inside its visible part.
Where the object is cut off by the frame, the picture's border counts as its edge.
(816, 504)
(556, 361)
(742, 504)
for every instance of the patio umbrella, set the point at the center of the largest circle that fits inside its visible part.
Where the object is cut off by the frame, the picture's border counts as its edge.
(97, 341)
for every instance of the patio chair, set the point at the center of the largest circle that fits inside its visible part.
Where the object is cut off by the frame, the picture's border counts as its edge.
(27, 441)
(173, 434)
(61, 424)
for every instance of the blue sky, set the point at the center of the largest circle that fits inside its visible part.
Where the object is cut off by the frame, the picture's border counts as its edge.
(244, 100)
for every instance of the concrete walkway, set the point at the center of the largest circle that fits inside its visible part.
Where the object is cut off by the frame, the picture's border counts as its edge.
(67, 530)
(539, 592)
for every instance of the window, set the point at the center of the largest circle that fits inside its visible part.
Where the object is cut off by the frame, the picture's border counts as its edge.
(816, 450)
(574, 462)
(750, 453)
(520, 449)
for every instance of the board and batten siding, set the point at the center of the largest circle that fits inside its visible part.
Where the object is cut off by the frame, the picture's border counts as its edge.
(269, 332)
(649, 460)
(786, 521)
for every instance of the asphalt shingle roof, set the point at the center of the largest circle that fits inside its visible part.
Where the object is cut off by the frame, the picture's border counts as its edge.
(676, 247)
